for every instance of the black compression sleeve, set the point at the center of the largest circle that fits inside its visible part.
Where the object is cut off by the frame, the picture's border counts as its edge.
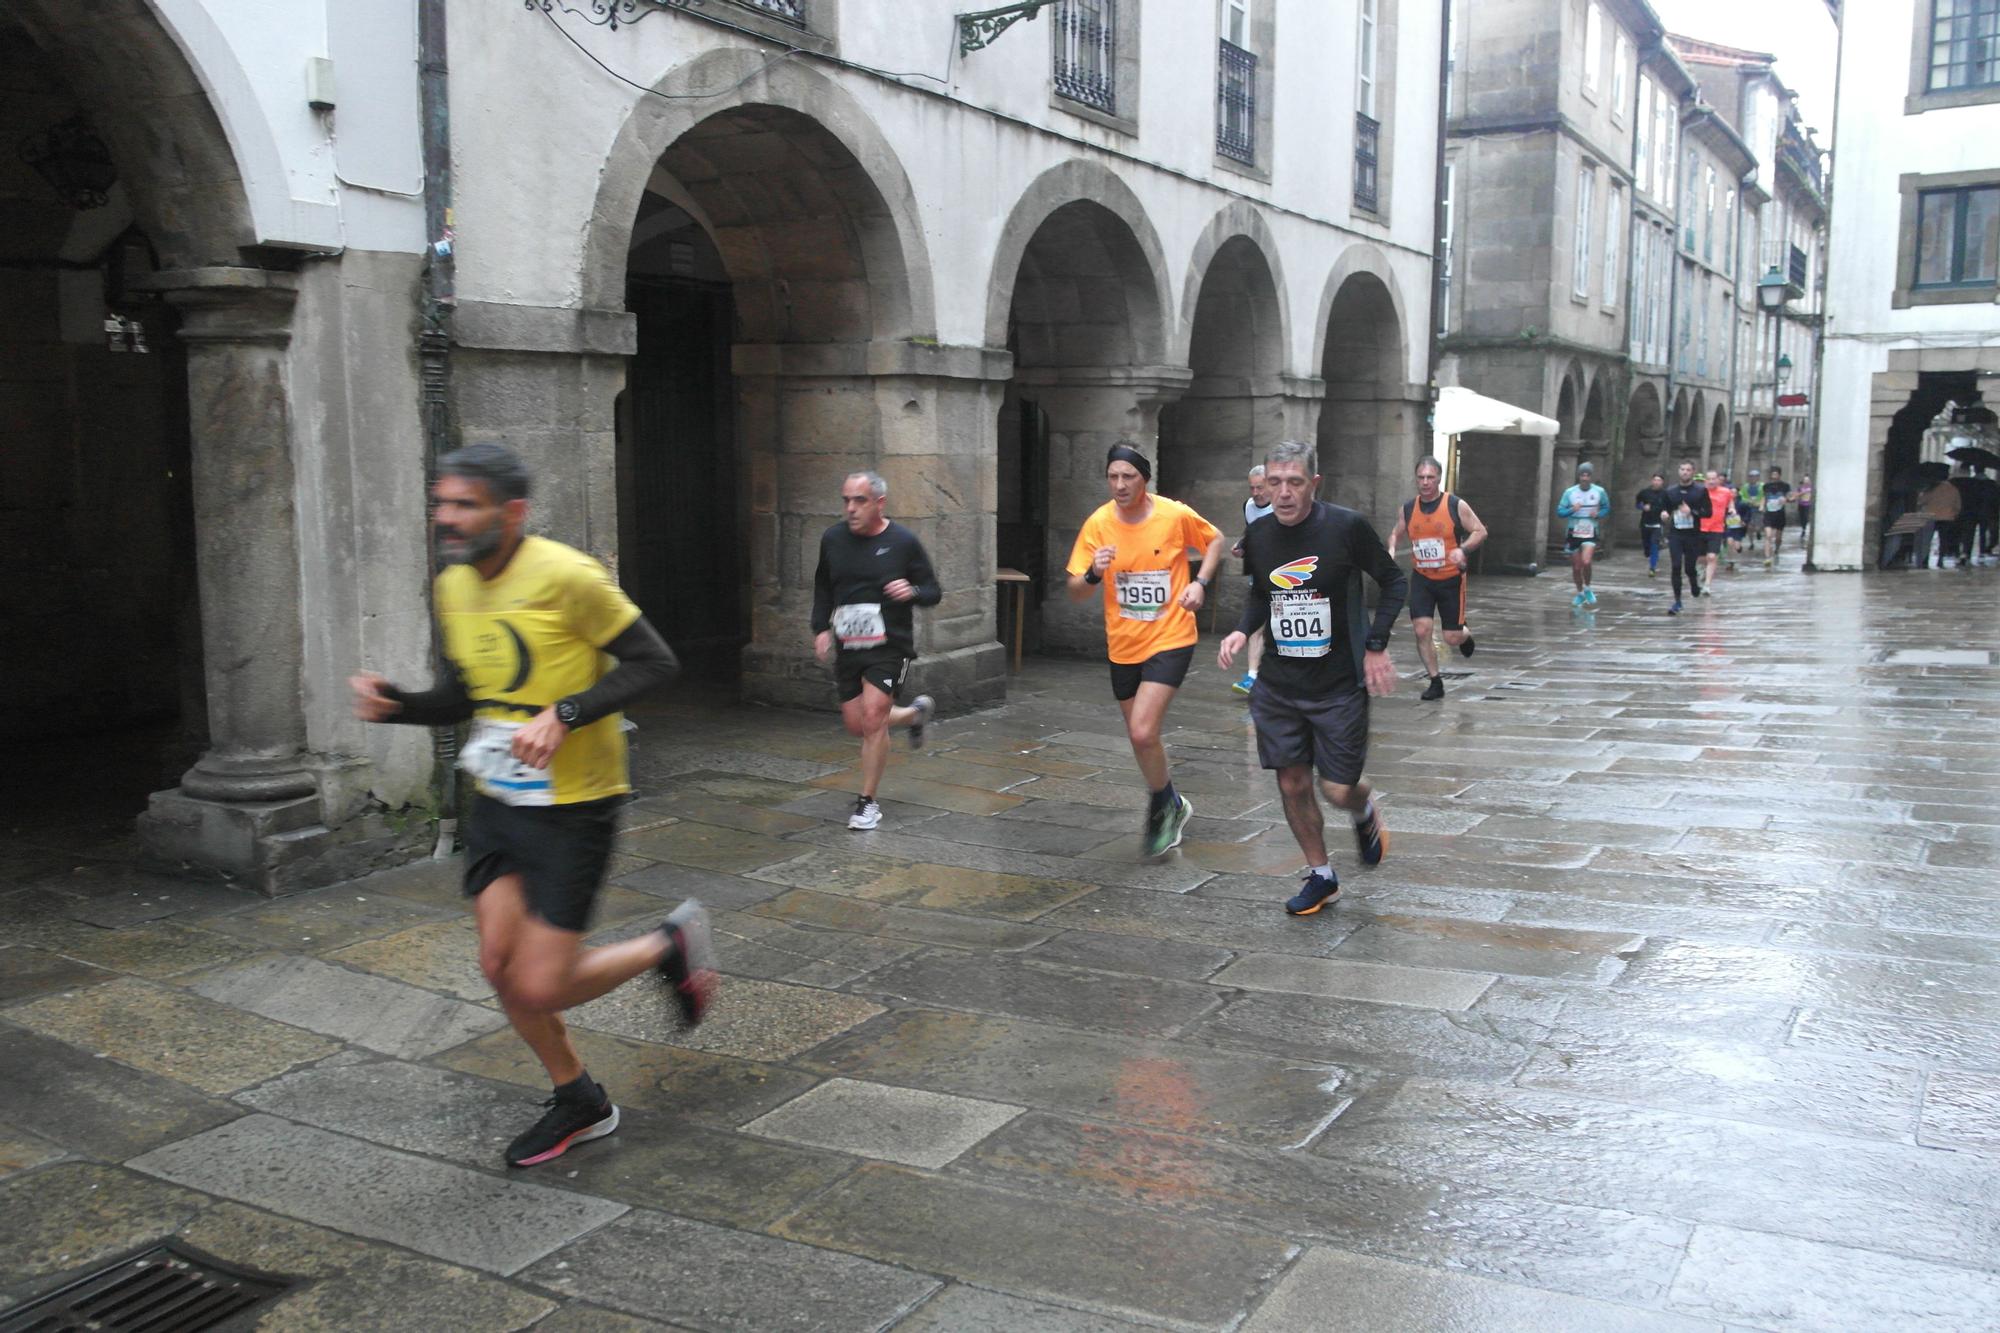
(923, 577)
(445, 704)
(822, 618)
(1366, 550)
(644, 663)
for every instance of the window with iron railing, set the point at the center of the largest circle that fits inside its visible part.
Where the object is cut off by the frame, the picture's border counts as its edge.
(1367, 161)
(792, 11)
(1795, 270)
(1086, 65)
(1236, 103)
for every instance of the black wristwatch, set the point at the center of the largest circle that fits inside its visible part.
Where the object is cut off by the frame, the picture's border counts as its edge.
(1378, 645)
(568, 712)
(1093, 577)
(1203, 582)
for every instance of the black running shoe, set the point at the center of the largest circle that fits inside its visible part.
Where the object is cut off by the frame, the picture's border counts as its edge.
(1436, 690)
(568, 1121)
(1372, 840)
(689, 966)
(1315, 893)
(1465, 649)
(925, 706)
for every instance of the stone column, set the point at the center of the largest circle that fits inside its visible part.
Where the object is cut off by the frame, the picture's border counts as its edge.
(256, 780)
(1090, 408)
(924, 417)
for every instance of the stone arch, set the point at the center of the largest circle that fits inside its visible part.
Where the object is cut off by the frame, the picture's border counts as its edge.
(1718, 432)
(802, 187)
(1594, 429)
(1569, 412)
(1369, 424)
(1694, 428)
(1238, 237)
(1082, 190)
(1354, 261)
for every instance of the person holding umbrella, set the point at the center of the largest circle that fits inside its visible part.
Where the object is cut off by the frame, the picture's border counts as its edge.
(1982, 496)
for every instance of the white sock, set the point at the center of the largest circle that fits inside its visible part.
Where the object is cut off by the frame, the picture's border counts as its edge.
(1324, 872)
(1367, 813)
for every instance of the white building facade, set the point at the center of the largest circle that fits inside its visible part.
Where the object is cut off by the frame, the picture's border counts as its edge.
(1913, 268)
(696, 262)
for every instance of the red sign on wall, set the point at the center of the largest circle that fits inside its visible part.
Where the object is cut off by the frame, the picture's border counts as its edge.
(1791, 400)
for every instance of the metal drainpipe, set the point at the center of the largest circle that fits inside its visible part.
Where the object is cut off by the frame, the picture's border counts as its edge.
(1438, 237)
(434, 357)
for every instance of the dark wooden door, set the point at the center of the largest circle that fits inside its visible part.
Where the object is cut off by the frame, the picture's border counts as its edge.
(688, 571)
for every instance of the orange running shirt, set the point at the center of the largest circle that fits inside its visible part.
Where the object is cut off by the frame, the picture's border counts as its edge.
(1433, 537)
(1721, 499)
(1142, 589)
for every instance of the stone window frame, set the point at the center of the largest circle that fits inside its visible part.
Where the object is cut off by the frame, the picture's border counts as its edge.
(1264, 46)
(1621, 55)
(1387, 25)
(1613, 258)
(1591, 77)
(1921, 98)
(1124, 117)
(1583, 231)
(817, 36)
(1907, 293)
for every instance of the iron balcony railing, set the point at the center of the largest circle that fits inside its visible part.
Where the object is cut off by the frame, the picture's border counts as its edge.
(1367, 159)
(1236, 103)
(791, 11)
(1795, 270)
(1086, 52)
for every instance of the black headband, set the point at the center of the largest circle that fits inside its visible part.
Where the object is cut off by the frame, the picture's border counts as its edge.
(1125, 453)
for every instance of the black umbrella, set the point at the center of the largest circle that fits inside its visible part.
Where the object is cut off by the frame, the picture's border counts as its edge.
(1973, 454)
(1920, 476)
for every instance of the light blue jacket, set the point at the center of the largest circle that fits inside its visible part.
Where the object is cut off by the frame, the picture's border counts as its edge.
(1585, 504)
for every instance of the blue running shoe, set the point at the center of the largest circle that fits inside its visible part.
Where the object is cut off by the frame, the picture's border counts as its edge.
(1576, 600)
(1372, 840)
(1315, 893)
(1590, 597)
(1675, 609)
(1243, 686)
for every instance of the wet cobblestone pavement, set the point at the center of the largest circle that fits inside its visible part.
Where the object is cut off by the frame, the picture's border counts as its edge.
(1676, 1005)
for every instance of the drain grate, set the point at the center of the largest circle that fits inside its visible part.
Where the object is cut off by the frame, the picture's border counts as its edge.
(167, 1289)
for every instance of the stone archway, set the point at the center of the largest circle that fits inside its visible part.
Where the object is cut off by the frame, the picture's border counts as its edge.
(1645, 428)
(1234, 408)
(1085, 317)
(1718, 444)
(830, 366)
(1370, 423)
(1694, 430)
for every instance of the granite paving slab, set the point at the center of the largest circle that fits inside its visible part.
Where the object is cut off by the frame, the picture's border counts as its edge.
(707, 847)
(834, 807)
(944, 888)
(727, 1280)
(1413, 1216)
(185, 1037)
(326, 919)
(440, 956)
(1022, 987)
(1166, 874)
(905, 1125)
(1387, 1038)
(1961, 1111)
(1133, 953)
(1180, 1273)
(1900, 1040)
(26, 971)
(1018, 835)
(72, 1216)
(1748, 1277)
(1167, 1085)
(1336, 978)
(156, 949)
(95, 1107)
(435, 1208)
(709, 1089)
(703, 808)
(959, 1308)
(1381, 1293)
(672, 884)
(750, 1019)
(832, 912)
(1221, 924)
(1483, 947)
(938, 796)
(356, 1007)
(22, 1151)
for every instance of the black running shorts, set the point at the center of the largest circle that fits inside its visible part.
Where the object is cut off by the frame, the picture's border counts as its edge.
(1774, 519)
(559, 851)
(1330, 734)
(1438, 599)
(884, 670)
(1165, 668)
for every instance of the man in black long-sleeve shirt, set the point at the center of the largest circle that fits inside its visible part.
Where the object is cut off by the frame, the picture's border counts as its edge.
(1686, 504)
(1325, 658)
(526, 625)
(871, 574)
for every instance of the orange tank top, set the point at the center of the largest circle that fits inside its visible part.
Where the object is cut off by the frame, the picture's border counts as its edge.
(1433, 537)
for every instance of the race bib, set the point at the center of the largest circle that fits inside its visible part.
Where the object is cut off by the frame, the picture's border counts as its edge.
(1683, 521)
(1143, 593)
(859, 625)
(1773, 504)
(1583, 529)
(1428, 552)
(488, 755)
(1301, 624)
(1732, 519)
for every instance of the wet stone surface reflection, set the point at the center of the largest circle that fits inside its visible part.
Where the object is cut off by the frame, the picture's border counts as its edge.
(1675, 1006)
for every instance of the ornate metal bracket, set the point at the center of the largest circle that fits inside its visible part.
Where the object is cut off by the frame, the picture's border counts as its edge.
(612, 14)
(980, 28)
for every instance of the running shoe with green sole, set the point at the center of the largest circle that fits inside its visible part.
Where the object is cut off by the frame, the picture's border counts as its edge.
(1164, 828)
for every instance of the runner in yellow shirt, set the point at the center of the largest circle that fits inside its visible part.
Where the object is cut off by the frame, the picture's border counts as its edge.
(1136, 546)
(542, 652)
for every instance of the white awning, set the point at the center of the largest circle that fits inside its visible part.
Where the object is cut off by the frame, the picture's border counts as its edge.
(1460, 411)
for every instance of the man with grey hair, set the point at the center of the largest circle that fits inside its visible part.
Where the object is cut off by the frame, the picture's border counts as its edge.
(1310, 705)
(1256, 507)
(872, 572)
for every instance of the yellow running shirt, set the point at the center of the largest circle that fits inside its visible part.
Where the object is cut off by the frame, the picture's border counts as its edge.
(1142, 589)
(532, 636)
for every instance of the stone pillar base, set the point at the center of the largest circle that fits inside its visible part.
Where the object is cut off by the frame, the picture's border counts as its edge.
(275, 847)
(960, 680)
